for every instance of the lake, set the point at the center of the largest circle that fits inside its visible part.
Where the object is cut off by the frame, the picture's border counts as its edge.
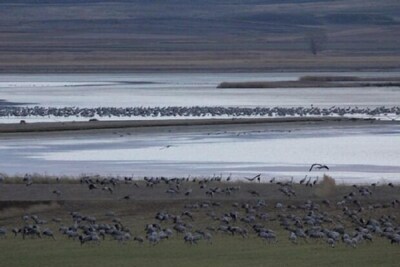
(355, 154)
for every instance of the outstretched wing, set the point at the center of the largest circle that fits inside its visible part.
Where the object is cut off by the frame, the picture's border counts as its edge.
(312, 166)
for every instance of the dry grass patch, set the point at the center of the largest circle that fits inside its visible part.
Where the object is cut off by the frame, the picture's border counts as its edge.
(326, 188)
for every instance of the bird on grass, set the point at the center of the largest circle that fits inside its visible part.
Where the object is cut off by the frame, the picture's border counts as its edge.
(92, 186)
(254, 193)
(128, 197)
(188, 192)
(302, 181)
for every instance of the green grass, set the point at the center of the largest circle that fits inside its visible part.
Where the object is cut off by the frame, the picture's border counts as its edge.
(225, 251)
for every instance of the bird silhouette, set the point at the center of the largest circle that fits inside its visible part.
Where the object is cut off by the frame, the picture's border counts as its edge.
(92, 186)
(318, 166)
(258, 177)
(165, 147)
(303, 180)
(127, 197)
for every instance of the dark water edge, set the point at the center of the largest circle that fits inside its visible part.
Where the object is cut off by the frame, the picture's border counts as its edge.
(5, 103)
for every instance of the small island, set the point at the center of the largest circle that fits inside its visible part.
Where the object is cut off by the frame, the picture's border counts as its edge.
(317, 82)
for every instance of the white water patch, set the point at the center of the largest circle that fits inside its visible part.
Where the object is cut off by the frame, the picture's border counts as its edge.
(33, 85)
(358, 150)
(76, 142)
(185, 89)
(360, 154)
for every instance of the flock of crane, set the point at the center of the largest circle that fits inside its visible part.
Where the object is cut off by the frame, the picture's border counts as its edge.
(196, 111)
(351, 219)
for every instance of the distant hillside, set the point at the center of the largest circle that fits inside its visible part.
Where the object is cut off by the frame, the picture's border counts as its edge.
(95, 35)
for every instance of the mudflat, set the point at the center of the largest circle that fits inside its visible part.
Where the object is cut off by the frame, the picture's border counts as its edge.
(91, 125)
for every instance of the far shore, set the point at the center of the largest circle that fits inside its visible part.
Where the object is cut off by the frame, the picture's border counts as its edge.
(318, 82)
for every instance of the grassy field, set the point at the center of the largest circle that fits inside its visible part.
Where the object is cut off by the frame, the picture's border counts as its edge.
(225, 251)
(224, 248)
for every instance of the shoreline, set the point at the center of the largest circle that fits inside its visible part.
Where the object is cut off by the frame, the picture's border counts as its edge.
(99, 125)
